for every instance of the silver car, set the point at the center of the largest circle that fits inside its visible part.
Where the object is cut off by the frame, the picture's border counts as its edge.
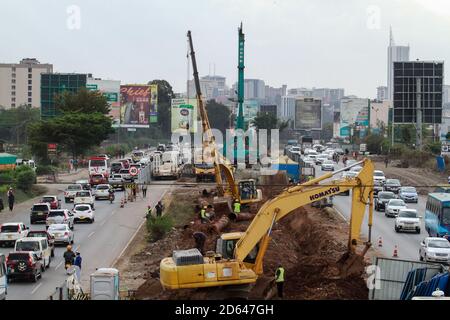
(102, 191)
(61, 232)
(435, 249)
(62, 216)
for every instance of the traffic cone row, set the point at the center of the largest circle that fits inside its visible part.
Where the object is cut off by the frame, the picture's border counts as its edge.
(380, 242)
(122, 203)
(395, 254)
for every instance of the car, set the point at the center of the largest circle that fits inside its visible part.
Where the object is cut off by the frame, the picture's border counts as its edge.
(43, 234)
(84, 183)
(392, 185)
(24, 265)
(378, 175)
(321, 158)
(83, 212)
(161, 147)
(382, 199)
(61, 233)
(71, 191)
(102, 191)
(339, 151)
(12, 231)
(356, 169)
(96, 179)
(125, 163)
(54, 202)
(60, 216)
(393, 207)
(38, 245)
(408, 194)
(377, 187)
(39, 212)
(116, 167)
(349, 163)
(327, 165)
(84, 196)
(126, 176)
(116, 181)
(435, 250)
(407, 220)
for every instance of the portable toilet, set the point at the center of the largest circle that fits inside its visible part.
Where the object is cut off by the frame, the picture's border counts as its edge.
(105, 284)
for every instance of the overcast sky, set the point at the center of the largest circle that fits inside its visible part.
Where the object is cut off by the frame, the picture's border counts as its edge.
(321, 43)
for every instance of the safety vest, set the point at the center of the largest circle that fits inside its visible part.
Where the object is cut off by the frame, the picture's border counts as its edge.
(280, 277)
(203, 213)
(237, 207)
(149, 211)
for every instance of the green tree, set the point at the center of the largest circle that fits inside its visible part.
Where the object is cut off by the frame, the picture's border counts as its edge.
(327, 131)
(13, 123)
(84, 101)
(268, 121)
(165, 95)
(218, 115)
(26, 179)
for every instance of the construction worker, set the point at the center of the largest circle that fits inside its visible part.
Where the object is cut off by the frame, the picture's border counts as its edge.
(149, 212)
(159, 209)
(69, 257)
(200, 239)
(279, 280)
(203, 216)
(236, 207)
(210, 212)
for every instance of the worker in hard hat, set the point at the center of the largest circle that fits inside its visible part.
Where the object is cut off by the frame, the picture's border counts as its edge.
(203, 217)
(69, 257)
(236, 207)
(279, 280)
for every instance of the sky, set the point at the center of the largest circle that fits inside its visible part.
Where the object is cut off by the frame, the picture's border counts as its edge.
(315, 43)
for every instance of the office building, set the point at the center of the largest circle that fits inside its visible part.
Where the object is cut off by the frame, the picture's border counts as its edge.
(395, 54)
(53, 84)
(382, 93)
(212, 87)
(269, 108)
(406, 75)
(300, 92)
(20, 83)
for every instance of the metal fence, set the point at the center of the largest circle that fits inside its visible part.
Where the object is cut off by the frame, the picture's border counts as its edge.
(392, 276)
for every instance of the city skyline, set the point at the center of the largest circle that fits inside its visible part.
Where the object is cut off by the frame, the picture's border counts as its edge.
(296, 49)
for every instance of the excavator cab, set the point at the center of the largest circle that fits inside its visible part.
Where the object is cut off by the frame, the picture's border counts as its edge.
(226, 244)
(248, 193)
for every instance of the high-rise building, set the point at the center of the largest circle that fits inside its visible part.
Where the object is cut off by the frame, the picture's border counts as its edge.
(382, 93)
(395, 54)
(268, 108)
(300, 92)
(254, 89)
(20, 83)
(330, 101)
(56, 83)
(431, 75)
(212, 87)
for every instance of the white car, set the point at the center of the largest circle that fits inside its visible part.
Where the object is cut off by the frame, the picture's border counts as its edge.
(393, 207)
(83, 212)
(61, 232)
(71, 191)
(435, 250)
(12, 231)
(327, 165)
(38, 246)
(84, 196)
(407, 220)
(356, 169)
(378, 175)
(61, 216)
(102, 191)
(321, 158)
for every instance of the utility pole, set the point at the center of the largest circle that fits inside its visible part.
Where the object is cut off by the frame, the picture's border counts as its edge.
(240, 93)
(418, 115)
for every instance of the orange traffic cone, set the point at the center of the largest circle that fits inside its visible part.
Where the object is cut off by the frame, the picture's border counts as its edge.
(122, 203)
(380, 242)
(395, 254)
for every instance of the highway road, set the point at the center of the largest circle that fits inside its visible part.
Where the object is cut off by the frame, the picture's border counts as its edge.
(99, 243)
(407, 243)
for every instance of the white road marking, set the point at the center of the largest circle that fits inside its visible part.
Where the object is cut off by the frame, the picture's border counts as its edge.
(37, 287)
(91, 234)
(59, 265)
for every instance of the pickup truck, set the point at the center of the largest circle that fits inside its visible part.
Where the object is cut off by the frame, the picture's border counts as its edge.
(126, 176)
(84, 197)
(116, 181)
(71, 191)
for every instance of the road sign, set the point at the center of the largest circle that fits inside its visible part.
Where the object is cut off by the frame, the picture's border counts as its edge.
(51, 149)
(363, 147)
(92, 87)
(130, 185)
(133, 171)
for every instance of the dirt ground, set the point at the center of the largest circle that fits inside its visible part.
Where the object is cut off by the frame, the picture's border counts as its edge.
(307, 243)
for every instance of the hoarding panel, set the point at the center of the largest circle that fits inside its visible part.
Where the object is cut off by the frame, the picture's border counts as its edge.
(184, 115)
(136, 105)
(354, 114)
(308, 114)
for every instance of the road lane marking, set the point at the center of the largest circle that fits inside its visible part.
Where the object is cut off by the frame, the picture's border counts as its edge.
(59, 265)
(37, 287)
(91, 234)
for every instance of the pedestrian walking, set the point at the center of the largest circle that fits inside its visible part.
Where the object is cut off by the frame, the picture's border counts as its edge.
(386, 161)
(77, 264)
(144, 190)
(1, 205)
(159, 209)
(11, 199)
(200, 239)
(279, 280)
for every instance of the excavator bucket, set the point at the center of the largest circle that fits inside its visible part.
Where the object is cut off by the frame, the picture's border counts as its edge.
(352, 263)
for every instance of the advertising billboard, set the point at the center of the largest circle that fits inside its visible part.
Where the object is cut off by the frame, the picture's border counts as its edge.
(308, 114)
(138, 105)
(250, 109)
(354, 115)
(184, 115)
(111, 90)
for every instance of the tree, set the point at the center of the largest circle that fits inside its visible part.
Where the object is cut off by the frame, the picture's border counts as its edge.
(165, 95)
(219, 115)
(84, 101)
(327, 131)
(13, 123)
(268, 121)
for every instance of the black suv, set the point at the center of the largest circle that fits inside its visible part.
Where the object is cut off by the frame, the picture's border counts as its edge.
(392, 185)
(39, 212)
(24, 265)
(382, 199)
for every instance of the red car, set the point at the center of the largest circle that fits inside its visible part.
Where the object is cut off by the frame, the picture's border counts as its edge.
(24, 264)
(54, 202)
(96, 179)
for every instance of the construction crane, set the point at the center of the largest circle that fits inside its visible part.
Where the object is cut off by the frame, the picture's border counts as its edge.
(239, 257)
(245, 190)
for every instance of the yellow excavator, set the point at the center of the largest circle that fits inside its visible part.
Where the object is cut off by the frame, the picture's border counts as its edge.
(238, 259)
(244, 191)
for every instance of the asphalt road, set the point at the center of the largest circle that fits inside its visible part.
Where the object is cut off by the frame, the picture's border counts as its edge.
(407, 243)
(99, 243)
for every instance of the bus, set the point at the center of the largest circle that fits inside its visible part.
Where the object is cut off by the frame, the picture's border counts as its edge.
(99, 165)
(437, 214)
(3, 275)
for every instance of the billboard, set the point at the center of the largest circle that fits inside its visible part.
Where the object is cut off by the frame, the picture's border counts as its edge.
(111, 90)
(138, 105)
(354, 114)
(184, 115)
(308, 114)
(250, 109)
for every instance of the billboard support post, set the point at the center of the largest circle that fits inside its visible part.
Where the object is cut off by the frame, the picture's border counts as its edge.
(418, 116)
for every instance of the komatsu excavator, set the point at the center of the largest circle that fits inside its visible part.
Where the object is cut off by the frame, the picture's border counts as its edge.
(244, 191)
(238, 259)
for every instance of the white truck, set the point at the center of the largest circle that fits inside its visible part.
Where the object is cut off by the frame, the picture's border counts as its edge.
(167, 165)
(84, 197)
